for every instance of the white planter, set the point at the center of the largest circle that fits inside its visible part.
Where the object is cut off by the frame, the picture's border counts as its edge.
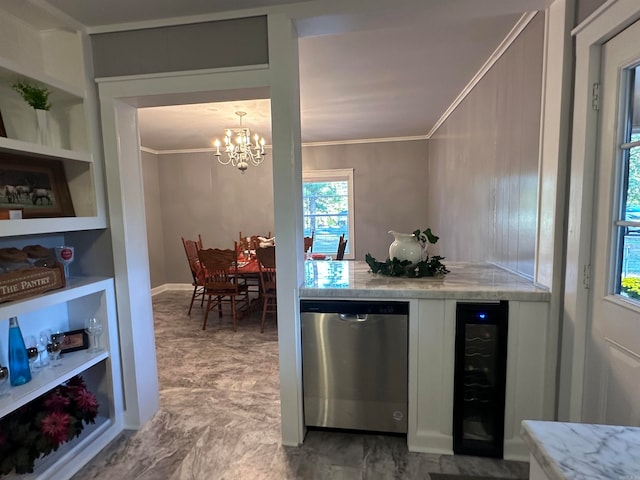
(43, 135)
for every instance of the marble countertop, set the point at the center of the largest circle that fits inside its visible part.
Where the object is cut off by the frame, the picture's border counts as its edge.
(583, 451)
(471, 281)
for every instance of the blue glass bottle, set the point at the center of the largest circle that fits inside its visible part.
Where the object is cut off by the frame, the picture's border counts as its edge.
(19, 371)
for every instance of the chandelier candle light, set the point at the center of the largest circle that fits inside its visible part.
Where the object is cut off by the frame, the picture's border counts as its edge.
(243, 151)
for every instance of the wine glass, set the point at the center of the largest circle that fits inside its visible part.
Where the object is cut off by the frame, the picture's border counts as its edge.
(65, 255)
(93, 326)
(4, 378)
(56, 344)
(31, 345)
(43, 347)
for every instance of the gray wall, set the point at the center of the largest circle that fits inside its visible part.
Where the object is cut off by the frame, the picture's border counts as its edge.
(483, 163)
(389, 188)
(195, 195)
(153, 213)
(181, 47)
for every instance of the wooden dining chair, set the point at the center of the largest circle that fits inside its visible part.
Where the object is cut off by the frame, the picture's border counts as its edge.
(308, 243)
(221, 285)
(342, 245)
(247, 242)
(191, 248)
(267, 265)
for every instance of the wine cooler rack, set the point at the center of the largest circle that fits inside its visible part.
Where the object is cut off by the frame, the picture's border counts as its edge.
(479, 382)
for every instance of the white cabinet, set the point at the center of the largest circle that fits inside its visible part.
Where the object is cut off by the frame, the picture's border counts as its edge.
(530, 382)
(40, 48)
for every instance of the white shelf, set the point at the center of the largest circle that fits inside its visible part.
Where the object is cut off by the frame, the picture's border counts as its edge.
(11, 71)
(19, 147)
(36, 226)
(76, 287)
(46, 378)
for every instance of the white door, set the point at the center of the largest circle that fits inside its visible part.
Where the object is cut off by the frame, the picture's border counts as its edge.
(612, 373)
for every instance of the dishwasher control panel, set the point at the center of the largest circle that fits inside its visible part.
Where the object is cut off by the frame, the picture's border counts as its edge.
(354, 307)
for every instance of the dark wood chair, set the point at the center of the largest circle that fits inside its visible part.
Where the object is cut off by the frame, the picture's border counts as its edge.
(222, 284)
(342, 245)
(267, 265)
(308, 243)
(191, 248)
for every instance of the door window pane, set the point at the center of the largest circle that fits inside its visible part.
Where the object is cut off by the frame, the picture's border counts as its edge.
(628, 224)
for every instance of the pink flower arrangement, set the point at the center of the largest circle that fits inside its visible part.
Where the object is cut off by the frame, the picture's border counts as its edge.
(38, 428)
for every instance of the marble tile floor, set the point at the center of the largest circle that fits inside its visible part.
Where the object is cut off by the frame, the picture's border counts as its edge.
(220, 417)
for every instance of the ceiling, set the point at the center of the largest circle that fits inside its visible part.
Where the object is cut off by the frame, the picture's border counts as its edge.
(375, 75)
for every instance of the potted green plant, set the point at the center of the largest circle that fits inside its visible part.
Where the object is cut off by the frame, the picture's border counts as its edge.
(38, 98)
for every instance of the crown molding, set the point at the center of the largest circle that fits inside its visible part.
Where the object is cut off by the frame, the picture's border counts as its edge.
(307, 144)
(517, 29)
(364, 140)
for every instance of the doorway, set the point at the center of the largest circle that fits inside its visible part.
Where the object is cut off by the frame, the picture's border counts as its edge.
(119, 100)
(613, 344)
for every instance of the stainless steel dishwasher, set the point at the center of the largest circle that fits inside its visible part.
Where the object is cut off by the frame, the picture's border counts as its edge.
(354, 364)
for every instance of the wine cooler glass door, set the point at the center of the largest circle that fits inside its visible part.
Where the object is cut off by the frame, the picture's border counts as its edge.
(479, 384)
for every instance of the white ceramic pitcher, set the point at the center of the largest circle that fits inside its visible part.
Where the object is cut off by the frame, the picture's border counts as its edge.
(405, 247)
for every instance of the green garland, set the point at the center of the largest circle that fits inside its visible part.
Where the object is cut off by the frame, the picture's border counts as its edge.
(429, 267)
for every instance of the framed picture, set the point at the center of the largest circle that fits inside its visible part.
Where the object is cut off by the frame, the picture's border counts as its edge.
(3, 131)
(75, 340)
(38, 187)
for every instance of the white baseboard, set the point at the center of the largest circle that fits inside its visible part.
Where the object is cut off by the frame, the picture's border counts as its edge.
(171, 286)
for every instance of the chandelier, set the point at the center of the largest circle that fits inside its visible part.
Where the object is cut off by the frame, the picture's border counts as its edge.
(240, 150)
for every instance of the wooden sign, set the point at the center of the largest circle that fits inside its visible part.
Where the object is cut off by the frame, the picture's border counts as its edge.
(29, 282)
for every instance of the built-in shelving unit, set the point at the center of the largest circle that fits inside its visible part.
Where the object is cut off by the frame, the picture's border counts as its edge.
(47, 378)
(43, 50)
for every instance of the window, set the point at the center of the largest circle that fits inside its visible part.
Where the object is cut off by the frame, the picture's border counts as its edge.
(628, 223)
(327, 206)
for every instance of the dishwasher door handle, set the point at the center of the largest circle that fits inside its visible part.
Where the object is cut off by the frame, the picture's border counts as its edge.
(353, 317)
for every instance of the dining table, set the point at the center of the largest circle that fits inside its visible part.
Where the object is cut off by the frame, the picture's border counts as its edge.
(249, 271)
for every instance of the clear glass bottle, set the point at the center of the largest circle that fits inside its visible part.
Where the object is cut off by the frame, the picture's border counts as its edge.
(19, 371)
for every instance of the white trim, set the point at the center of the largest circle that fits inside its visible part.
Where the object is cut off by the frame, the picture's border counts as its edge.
(171, 287)
(185, 150)
(365, 140)
(183, 73)
(622, 349)
(517, 29)
(337, 174)
(600, 11)
(605, 23)
(309, 144)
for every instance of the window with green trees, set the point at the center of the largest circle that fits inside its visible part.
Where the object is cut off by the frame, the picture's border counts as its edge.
(327, 205)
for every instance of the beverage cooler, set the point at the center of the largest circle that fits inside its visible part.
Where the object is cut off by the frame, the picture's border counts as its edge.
(480, 377)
